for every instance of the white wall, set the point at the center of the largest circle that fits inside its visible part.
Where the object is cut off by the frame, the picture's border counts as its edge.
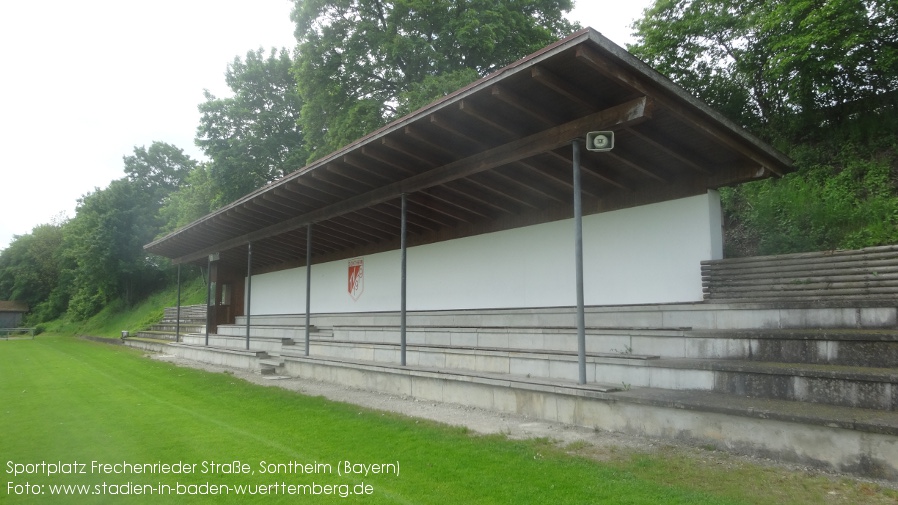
(647, 254)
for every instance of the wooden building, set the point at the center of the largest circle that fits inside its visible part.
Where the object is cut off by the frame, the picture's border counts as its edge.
(11, 313)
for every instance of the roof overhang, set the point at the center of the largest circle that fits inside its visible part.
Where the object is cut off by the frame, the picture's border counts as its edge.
(491, 156)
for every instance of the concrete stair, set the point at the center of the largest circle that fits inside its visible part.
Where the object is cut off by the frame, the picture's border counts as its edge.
(271, 366)
(815, 383)
(193, 320)
(833, 364)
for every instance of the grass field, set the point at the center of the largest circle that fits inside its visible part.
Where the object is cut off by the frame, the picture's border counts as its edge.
(64, 400)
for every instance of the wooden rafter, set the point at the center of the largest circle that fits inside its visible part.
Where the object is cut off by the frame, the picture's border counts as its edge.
(628, 113)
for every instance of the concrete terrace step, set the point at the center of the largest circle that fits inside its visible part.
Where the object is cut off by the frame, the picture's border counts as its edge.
(835, 346)
(838, 346)
(552, 338)
(238, 358)
(699, 316)
(196, 312)
(535, 363)
(862, 387)
(501, 379)
(874, 388)
(275, 331)
(185, 327)
(271, 365)
(847, 439)
(866, 420)
(256, 343)
(156, 335)
(162, 334)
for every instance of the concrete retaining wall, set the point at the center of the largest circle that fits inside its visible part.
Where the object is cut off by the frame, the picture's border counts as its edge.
(822, 446)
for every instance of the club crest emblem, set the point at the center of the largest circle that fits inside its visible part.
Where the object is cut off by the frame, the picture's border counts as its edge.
(356, 277)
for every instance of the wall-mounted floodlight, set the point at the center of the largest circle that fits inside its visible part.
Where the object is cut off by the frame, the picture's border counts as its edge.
(599, 141)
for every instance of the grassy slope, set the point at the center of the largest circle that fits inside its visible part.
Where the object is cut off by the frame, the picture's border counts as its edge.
(66, 399)
(115, 317)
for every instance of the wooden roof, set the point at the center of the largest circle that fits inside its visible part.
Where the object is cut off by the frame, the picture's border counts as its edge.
(12, 306)
(491, 156)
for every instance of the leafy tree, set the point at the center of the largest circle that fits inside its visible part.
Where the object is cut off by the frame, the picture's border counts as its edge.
(361, 63)
(774, 62)
(29, 267)
(195, 199)
(161, 169)
(104, 245)
(253, 137)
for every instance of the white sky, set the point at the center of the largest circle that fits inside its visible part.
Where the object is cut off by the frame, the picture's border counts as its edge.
(83, 82)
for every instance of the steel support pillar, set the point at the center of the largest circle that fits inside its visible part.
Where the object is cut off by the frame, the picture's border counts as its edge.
(402, 297)
(249, 287)
(178, 316)
(208, 294)
(578, 260)
(308, 284)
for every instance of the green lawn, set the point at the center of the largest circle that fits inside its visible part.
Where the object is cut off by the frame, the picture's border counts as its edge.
(64, 400)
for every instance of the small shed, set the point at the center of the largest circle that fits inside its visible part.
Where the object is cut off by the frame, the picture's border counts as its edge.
(11, 313)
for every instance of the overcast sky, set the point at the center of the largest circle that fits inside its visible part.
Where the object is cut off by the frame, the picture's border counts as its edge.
(83, 82)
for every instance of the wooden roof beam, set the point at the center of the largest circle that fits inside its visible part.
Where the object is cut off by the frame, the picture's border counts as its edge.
(389, 160)
(321, 231)
(527, 107)
(635, 166)
(278, 199)
(470, 109)
(327, 188)
(423, 159)
(489, 196)
(700, 121)
(333, 180)
(451, 128)
(343, 225)
(671, 151)
(390, 213)
(366, 167)
(594, 171)
(302, 194)
(458, 199)
(492, 181)
(562, 87)
(536, 189)
(419, 136)
(368, 222)
(428, 207)
(565, 176)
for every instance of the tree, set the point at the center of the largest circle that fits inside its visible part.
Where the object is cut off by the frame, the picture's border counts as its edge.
(161, 169)
(29, 267)
(195, 199)
(103, 244)
(252, 138)
(361, 63)
(770, 62)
